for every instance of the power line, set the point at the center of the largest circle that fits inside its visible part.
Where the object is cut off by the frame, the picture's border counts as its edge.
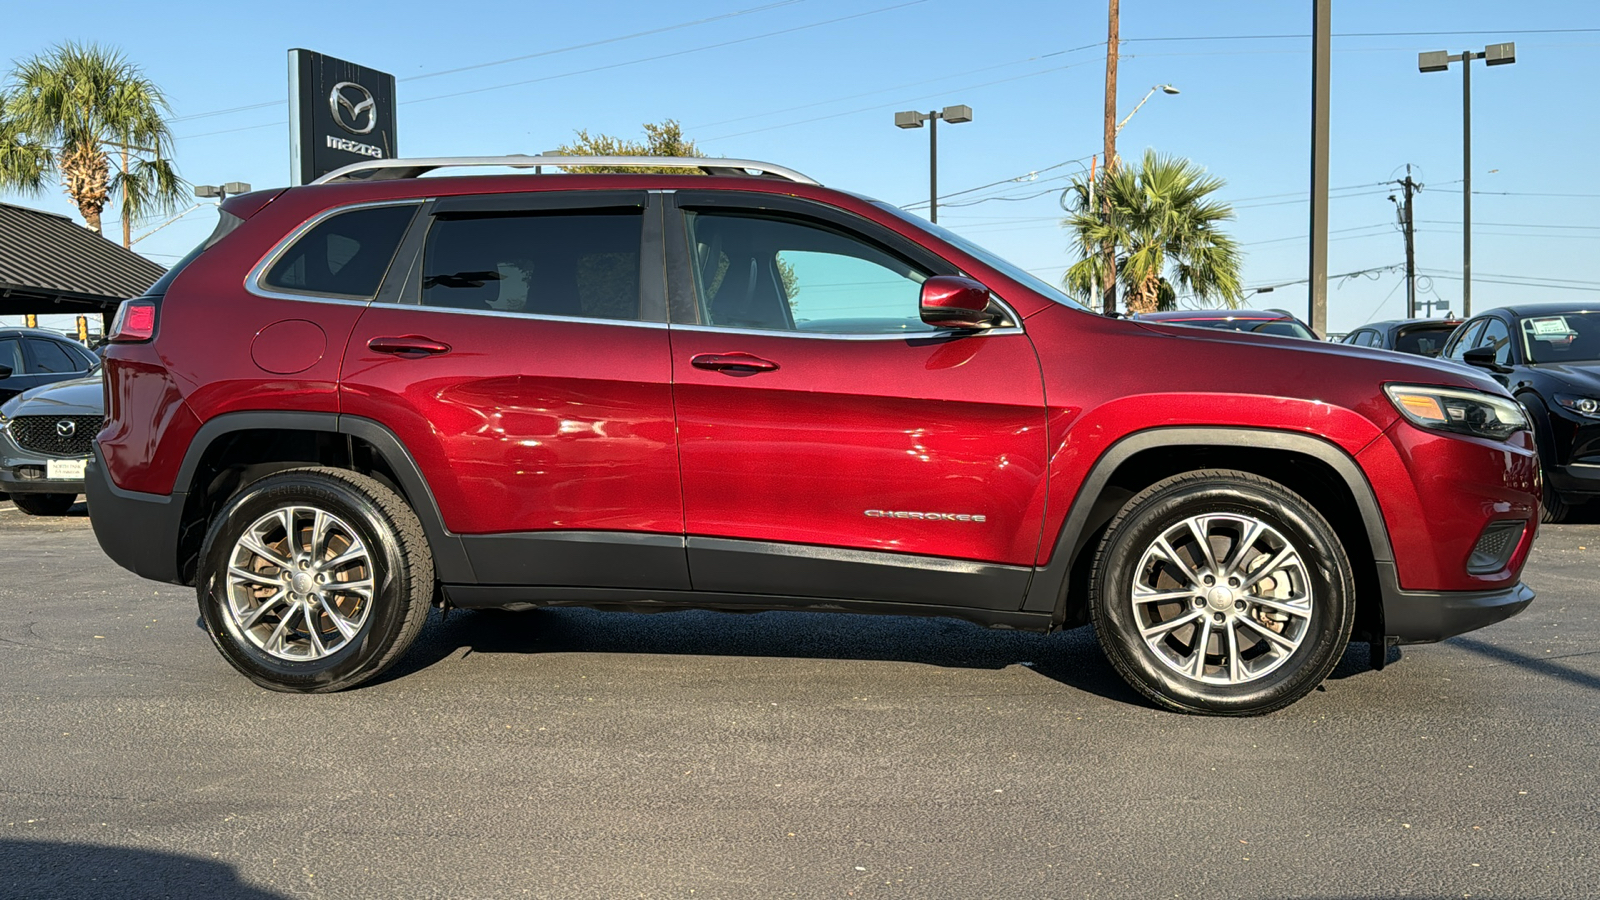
(1019, 179)
(1514, 224)
(675, 53)
(512, 59)
(1345, 34)
(851, 112)
(911, 84)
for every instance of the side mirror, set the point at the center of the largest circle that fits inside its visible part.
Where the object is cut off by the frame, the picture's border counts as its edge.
(1484, 358)
(5, 371)
(951, 301)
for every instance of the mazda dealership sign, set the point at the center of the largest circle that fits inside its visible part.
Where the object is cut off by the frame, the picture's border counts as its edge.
(339, 113)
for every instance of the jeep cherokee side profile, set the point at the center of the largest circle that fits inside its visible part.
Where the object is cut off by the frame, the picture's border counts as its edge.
(747, 391)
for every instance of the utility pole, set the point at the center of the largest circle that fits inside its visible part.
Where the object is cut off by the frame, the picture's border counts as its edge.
(1408, 222)
(1107, 249)
(1321, 47)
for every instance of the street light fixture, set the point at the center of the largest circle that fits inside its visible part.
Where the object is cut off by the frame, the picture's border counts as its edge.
(1163, 88)
(1439, 61)
(221, 192)
(955, 115)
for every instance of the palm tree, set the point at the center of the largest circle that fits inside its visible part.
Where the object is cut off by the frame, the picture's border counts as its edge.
(1165, 232)
(72, 111)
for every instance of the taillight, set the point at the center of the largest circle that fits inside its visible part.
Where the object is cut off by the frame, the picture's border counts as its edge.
(135, 322)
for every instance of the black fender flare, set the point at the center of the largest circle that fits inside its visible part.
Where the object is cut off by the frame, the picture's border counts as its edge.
(1047, 593)
(450, 561)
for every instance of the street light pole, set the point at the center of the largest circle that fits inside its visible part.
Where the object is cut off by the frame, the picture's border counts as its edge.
(955, 115)
(1439, 61)
(1163, 88)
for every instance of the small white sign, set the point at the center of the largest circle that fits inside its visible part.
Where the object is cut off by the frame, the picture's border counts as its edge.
(1554, 326)
(64, 469)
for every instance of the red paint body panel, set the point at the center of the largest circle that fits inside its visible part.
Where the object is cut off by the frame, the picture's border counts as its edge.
(800, 453)
(527, 424)
(1438, 492)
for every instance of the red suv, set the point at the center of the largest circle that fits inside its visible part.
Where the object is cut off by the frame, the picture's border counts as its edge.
(749, 392)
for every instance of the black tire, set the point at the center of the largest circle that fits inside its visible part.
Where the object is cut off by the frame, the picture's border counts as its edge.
(401, 573)
(1553, 509)
(1284, 676)
(44, 504)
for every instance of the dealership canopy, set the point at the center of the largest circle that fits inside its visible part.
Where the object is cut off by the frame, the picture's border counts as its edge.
(51, 265)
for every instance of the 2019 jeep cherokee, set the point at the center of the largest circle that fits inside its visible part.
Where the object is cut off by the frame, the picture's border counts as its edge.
(751, 392)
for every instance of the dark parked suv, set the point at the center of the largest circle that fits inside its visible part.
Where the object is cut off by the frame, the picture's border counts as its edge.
(750, 392)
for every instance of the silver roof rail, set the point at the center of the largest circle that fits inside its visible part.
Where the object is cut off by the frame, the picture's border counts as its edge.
(387, 169)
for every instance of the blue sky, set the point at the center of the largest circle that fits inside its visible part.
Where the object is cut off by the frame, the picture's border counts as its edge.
(813, 84)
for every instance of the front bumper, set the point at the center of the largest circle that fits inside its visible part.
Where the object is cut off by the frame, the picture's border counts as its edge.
(1424, 617)
(138, 531)
(24, 472)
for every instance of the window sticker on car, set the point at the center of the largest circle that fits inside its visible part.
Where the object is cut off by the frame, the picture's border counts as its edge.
(1551, 326)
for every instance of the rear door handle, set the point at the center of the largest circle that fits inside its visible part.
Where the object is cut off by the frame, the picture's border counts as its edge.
(732, 362)
(407, 344)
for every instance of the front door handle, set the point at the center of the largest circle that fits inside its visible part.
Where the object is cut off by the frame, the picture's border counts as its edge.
(736, 363)
(407, 345)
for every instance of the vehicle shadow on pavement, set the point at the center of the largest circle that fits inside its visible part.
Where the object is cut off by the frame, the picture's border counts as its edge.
(57, 869)
(1542, 665)
(1072, 658)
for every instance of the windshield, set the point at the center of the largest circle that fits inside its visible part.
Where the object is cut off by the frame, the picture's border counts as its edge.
(1010, 270)
(1568, 337)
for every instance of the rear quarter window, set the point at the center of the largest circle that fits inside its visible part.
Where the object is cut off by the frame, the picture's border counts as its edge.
(345, 255)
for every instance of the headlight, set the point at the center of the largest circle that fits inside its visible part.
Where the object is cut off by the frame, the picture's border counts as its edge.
(1583, 406)
(1458, 411)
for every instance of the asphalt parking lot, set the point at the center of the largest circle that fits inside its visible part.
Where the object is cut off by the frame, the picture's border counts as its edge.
(576, 754)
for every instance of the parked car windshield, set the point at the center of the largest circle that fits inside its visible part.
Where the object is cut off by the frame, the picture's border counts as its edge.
(1564, 337)
(988, 258)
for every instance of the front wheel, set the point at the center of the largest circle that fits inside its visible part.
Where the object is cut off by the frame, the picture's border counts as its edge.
(1222, 593)
(314, 580)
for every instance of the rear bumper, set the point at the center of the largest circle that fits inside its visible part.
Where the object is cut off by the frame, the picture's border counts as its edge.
(138, 531)
(1423, 617)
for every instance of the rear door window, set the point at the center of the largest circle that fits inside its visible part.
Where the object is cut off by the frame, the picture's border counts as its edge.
(52, 358)
(345, 255)
(578, 264)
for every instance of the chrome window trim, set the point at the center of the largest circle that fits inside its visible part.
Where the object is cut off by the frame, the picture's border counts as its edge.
(252, 280)
(1014, 328)
(509, 314)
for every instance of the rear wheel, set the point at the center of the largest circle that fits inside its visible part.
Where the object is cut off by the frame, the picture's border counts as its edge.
(1222, 593)
(44, 504)
(314, 580)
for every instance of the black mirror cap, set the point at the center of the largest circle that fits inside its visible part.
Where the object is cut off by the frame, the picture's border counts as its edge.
(5, 371)
(1484, 358)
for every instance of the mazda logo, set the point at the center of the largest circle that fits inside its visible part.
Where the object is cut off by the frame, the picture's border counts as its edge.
(66, 428)
(352, 105)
